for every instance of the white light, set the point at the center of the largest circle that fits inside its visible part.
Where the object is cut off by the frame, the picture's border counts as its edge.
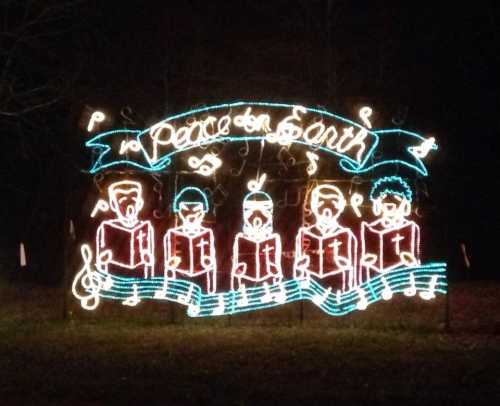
(365, 113)
(387, 292)
(162, 293)
(356, 202)
(101, 205)
(267, 297)
(243, 300)
(219, 310)
(429, 293)
(132, 300)
(362, 303)
(412, 289)
(423, 149)
(205, 166)
(186, 299)
(22, 256)
(256, 185)
(96, 117)
(88, 280)
(318, 300)
(280, 296)
(312, 167)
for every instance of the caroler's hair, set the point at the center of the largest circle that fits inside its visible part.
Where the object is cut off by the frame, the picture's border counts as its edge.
(388, 185)
(190, 194)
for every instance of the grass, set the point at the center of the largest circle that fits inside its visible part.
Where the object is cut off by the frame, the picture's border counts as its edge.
(392, 353)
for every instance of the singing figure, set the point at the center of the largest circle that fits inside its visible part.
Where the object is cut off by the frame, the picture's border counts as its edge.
(125, 245)
(327, 250)
(257, 249)
(392, 240)
(189, 248)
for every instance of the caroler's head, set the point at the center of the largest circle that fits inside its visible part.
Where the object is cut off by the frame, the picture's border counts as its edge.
(327, 203)
(391, 199)
(125, 199)
(258, 214)
(191, 204)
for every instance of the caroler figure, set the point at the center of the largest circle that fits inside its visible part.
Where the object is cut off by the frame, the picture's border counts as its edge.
(189, 248)
(125, 245)
(257, 249)
(326, 250)
(392, 240)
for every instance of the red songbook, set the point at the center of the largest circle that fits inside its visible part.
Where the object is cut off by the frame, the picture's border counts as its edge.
(330, 254)
(127, 245)
(260, 257)
(388, 243)
(194, 250)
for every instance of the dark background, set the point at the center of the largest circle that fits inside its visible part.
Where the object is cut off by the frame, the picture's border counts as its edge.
(424, 67)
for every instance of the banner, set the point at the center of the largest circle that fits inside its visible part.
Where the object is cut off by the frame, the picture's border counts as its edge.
(358, 147)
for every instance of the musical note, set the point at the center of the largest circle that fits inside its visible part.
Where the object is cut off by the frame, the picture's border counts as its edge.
(205, 166)
(219, 310)
(318, 299)
(267, 297)
(162, 293)
(89, 280)
(186, 299)
(108, 283)
(339, 296)
(256, 185)
(356, 201)
(243, 151)
(193, 310)
(134, 299)
(387, 292)
(423, 149)
(305, 281)
(364, 114)
(363, 303)
(96, 117)
(243, 300)
(313, 166)
(280, 296)
(101, 205)
(429, 293)
(412, 290)
(239, 171)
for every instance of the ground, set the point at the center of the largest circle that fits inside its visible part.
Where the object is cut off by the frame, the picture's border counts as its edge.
(392, 353)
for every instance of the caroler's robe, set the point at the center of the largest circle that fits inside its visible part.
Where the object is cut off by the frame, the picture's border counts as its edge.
(389, 246)
(129, 250)
(256, 260)
(196, 255)
(331, 257)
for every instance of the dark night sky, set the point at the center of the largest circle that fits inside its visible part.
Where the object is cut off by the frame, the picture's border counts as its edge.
(439, 64)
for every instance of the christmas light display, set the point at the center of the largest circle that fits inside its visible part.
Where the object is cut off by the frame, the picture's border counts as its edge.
(346, 255)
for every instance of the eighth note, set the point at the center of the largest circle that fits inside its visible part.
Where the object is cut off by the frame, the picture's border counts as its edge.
(205, 165)
(387, 292)
(429, 293)
(313, 166)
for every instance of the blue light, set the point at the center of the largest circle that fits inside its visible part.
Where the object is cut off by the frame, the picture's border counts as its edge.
(346, 163)
(397, 279)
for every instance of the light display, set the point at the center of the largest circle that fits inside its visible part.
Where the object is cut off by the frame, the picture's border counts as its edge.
(354, 244)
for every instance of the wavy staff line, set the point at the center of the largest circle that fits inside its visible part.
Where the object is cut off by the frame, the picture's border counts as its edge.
(398, 280)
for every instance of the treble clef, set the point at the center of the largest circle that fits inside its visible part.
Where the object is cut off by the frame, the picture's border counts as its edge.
(89, 280)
